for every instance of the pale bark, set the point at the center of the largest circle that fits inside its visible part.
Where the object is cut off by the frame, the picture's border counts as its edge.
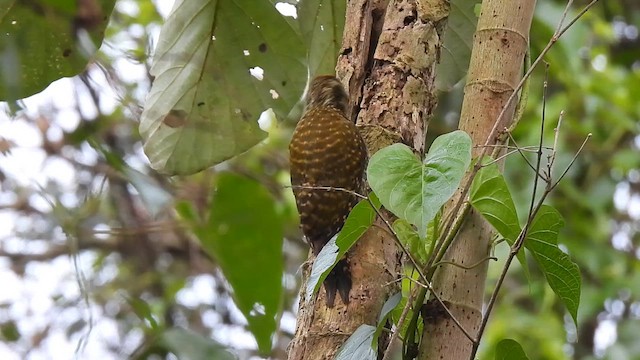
(499, 47)
(387, 63)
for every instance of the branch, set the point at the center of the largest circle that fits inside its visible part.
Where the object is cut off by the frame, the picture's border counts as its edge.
(55, 251)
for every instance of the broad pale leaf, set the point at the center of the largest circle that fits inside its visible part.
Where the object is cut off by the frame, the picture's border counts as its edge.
(204, 103)
(563, 275)
(42, 42)
(386, 311)
(359, 346)
(388, 307)
(244, 235)
(415, 190)
(362, 344)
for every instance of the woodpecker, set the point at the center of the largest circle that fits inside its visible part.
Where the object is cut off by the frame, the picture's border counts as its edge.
(327, 151)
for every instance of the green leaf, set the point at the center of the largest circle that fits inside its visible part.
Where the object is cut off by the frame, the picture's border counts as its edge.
(411, 240)
(415, 190)
(359, 345)
(204, 104)
(40, 42)
(508, 349)
(458, 41)
(186, 210)
(9, 331)
(357, 223)
(490, 195)
(244, 234)
(433, 233)
(322, 23)
(563, 275)
(142, 309)
(188, 345)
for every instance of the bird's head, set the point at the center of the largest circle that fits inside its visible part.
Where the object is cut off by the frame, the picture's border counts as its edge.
(327, 90)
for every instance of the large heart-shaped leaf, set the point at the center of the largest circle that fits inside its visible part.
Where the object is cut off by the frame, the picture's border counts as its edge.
(204, 103)
(415, 190)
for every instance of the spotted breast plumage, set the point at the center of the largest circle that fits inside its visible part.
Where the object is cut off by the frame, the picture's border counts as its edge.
(327, 152)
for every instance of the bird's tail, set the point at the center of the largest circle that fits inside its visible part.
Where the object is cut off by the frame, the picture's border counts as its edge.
(338, 280)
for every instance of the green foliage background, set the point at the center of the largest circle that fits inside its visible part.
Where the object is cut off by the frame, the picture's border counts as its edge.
(130, 230)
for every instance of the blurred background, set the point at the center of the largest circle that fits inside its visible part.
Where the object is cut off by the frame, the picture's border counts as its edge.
(93, 264)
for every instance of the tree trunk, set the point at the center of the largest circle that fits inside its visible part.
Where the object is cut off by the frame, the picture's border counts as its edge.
(499, 47)
(387, 63)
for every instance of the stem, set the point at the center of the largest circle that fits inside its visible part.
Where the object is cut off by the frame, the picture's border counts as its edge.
(413, 323)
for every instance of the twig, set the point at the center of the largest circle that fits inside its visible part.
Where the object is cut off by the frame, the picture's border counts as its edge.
(519, 151)
(503, 156)
(545, 85)
(563, 17)
(55, 251)
(552, 157)
(575, 157)
(508, 147)
(414, 262)
(445, 262)
(327, 188)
